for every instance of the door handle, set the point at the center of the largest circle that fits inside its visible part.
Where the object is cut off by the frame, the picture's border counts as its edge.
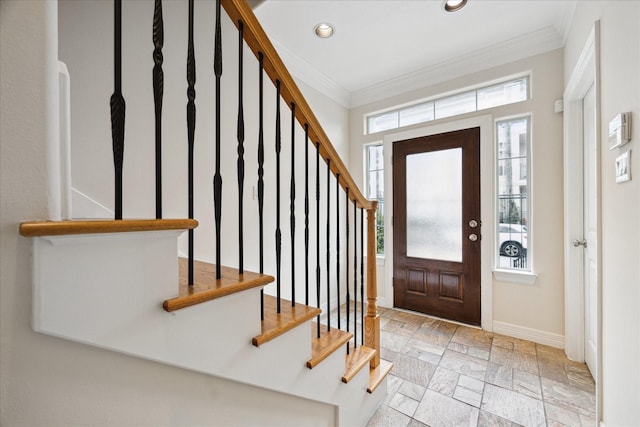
(577, 243)
(473, 237)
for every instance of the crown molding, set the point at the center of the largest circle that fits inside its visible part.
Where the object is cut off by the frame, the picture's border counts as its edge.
(531, 44)
(302, 70)
(564, 18)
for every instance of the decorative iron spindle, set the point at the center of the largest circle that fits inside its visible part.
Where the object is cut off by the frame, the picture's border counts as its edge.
(338, 246)
(278, 233)
(318, 231)
(355, 274)
(118, 108)
(348, 296)
(217, 179)
(191, 128)
(362, 276)
(306, 214)
(292, 196)
(261, 173)
(240, 136)
(328, 245)
(158, 91)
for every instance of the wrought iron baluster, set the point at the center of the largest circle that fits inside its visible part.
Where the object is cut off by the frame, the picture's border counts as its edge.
(118, 107)
(306, 214)
(338, 246)
(217, 179)
(158, 91)
(318, 231)
(362, 276)
(240, 135)
(355, 274)
(292, 196)
(328, 245)
(191, 127)
(261, 173)
(278, 233)
(348, 296)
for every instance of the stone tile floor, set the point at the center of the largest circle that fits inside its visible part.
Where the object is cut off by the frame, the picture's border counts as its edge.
(451, 375)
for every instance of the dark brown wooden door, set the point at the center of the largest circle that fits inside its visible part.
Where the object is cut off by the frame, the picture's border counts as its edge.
(436, 216)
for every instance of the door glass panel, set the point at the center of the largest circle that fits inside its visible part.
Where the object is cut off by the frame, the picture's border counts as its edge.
(434, 205)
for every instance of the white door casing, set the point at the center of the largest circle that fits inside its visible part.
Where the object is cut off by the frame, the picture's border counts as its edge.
(585, 77)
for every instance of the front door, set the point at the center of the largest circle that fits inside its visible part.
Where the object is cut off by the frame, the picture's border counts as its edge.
(436, 216)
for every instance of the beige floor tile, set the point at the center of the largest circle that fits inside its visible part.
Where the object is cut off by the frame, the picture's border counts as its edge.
(467, 396)
(386, 417)
(432, 337)
(415, 370)
(515, 344)
(393, 384)
(553, 369)
(392, 341)
(471, 383)
(513, 406)
(568, 397)
(560, 416)
(404, 404)
(426, 356)
(444, 381)
(515, 359)
(500, 375)
(464, 364)
(437, 410)
(473, 337)
(487, 419)
(412, 390)
(401, 328)
(527, 384)
(580, 377)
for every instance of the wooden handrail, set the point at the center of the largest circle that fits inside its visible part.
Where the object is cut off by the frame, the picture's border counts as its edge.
(258, 41)
(254, 35)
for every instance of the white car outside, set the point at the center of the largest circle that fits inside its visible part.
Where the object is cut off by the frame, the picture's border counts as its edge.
(513, 240)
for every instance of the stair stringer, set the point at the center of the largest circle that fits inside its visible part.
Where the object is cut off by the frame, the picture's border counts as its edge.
(106, 290)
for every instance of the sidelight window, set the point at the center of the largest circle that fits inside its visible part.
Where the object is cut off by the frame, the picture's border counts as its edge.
(375, 189)
(513, 213)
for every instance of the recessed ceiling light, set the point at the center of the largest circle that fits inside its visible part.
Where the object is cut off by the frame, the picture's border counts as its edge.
(454, 5)
(323, 30)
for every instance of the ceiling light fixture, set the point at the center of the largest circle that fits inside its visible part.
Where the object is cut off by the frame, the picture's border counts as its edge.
(454, 5)
(323, 30)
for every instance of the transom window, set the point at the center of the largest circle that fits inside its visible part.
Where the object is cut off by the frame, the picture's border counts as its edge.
(466, 101)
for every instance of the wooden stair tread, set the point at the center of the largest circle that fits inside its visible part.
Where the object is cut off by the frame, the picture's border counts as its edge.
(206, 287)
(329, 341)
(60, 228)
(377, 374)
(357, 359)
(275, 324)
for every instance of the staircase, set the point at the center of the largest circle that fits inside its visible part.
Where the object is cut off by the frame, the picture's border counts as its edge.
(122, 284)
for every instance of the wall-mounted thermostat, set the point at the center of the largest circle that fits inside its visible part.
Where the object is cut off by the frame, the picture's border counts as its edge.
(619, 130)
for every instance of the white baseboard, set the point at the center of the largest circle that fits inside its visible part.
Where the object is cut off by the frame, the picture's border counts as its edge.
(535, 335)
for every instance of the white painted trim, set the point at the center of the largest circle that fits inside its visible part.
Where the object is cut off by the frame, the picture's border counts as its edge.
(535, 335)
(485, 122)
(513, 276)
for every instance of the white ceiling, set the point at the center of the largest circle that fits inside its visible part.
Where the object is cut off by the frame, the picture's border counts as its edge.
(380, 46)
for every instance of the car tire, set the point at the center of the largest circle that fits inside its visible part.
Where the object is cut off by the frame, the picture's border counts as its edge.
(511, 249)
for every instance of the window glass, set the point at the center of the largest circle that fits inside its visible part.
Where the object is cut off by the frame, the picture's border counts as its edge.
(502, 94)
(513, 141)
(382, 122)
(454, 105)
(417, 114)
(375, 189)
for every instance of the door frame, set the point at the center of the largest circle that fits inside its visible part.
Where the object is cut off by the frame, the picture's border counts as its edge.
(585, 74)
(487, 182)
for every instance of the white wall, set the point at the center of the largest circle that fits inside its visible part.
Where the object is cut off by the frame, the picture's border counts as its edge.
(513, 304)
(52, 382)
(620, 92)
